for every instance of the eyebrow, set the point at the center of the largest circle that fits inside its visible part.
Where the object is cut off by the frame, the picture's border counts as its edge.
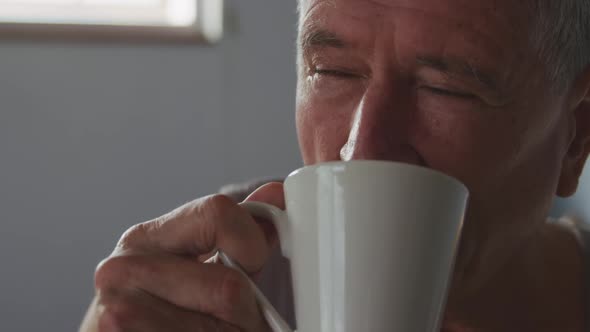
(315, 37)
(455, 66)
(320, 38)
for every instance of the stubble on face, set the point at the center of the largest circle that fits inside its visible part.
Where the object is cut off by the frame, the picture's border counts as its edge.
(389, 69)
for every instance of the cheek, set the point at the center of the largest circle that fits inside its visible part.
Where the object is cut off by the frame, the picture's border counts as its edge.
(322, 130)
(304, 134)
(471, 146)
(503, 160)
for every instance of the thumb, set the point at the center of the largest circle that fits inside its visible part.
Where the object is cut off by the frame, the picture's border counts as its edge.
(273, 194)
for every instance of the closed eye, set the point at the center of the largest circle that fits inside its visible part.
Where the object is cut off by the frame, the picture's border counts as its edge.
(450, 93)
(334, 73)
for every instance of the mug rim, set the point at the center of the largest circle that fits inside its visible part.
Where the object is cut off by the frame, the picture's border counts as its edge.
(376, 163)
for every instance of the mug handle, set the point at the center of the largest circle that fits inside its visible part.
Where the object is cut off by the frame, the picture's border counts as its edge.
(281, 223)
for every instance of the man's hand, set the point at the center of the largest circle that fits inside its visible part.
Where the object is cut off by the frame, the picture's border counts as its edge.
(153, 281)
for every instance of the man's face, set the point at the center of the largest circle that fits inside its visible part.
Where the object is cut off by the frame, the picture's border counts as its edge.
(451, 85)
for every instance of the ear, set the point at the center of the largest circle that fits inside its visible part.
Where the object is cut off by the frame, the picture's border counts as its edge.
(579, 148)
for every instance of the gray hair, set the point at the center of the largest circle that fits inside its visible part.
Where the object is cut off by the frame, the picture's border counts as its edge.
(562, 37)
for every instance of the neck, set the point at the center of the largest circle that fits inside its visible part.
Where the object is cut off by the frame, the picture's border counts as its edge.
(531, 284)
(485, 254)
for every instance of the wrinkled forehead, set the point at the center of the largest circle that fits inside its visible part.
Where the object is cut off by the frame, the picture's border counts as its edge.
(508, 14)
(493, 5)
(490, 33)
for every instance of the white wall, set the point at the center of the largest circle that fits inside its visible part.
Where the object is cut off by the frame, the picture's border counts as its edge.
(97, 137)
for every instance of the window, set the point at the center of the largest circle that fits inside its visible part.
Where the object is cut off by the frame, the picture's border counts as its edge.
(189, 20)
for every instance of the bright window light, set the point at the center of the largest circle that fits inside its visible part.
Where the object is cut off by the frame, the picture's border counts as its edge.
(203, 15)
(101, 12)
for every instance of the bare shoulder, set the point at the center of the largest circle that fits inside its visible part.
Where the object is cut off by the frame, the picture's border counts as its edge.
(563, 275)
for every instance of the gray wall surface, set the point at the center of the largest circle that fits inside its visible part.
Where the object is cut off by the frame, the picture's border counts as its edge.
(96, 137)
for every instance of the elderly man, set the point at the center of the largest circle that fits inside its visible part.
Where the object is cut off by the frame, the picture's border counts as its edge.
(492, 92)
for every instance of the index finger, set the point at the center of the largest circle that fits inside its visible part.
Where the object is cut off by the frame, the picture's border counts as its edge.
(199, 227)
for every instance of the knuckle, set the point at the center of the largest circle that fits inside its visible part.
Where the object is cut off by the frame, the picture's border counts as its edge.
(132, 235)
(211, 216)
(218, 206)
(111, 271)
(115, 313)
(233, 288)
(220, 326)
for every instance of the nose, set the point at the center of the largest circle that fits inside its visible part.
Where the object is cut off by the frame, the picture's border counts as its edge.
(381, 127)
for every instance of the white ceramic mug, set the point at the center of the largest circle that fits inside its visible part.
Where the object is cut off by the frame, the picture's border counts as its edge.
(371, 245)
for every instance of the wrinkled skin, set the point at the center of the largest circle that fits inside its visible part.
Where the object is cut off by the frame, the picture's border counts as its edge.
(155, 280)
(457, 87)
(452, 85)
